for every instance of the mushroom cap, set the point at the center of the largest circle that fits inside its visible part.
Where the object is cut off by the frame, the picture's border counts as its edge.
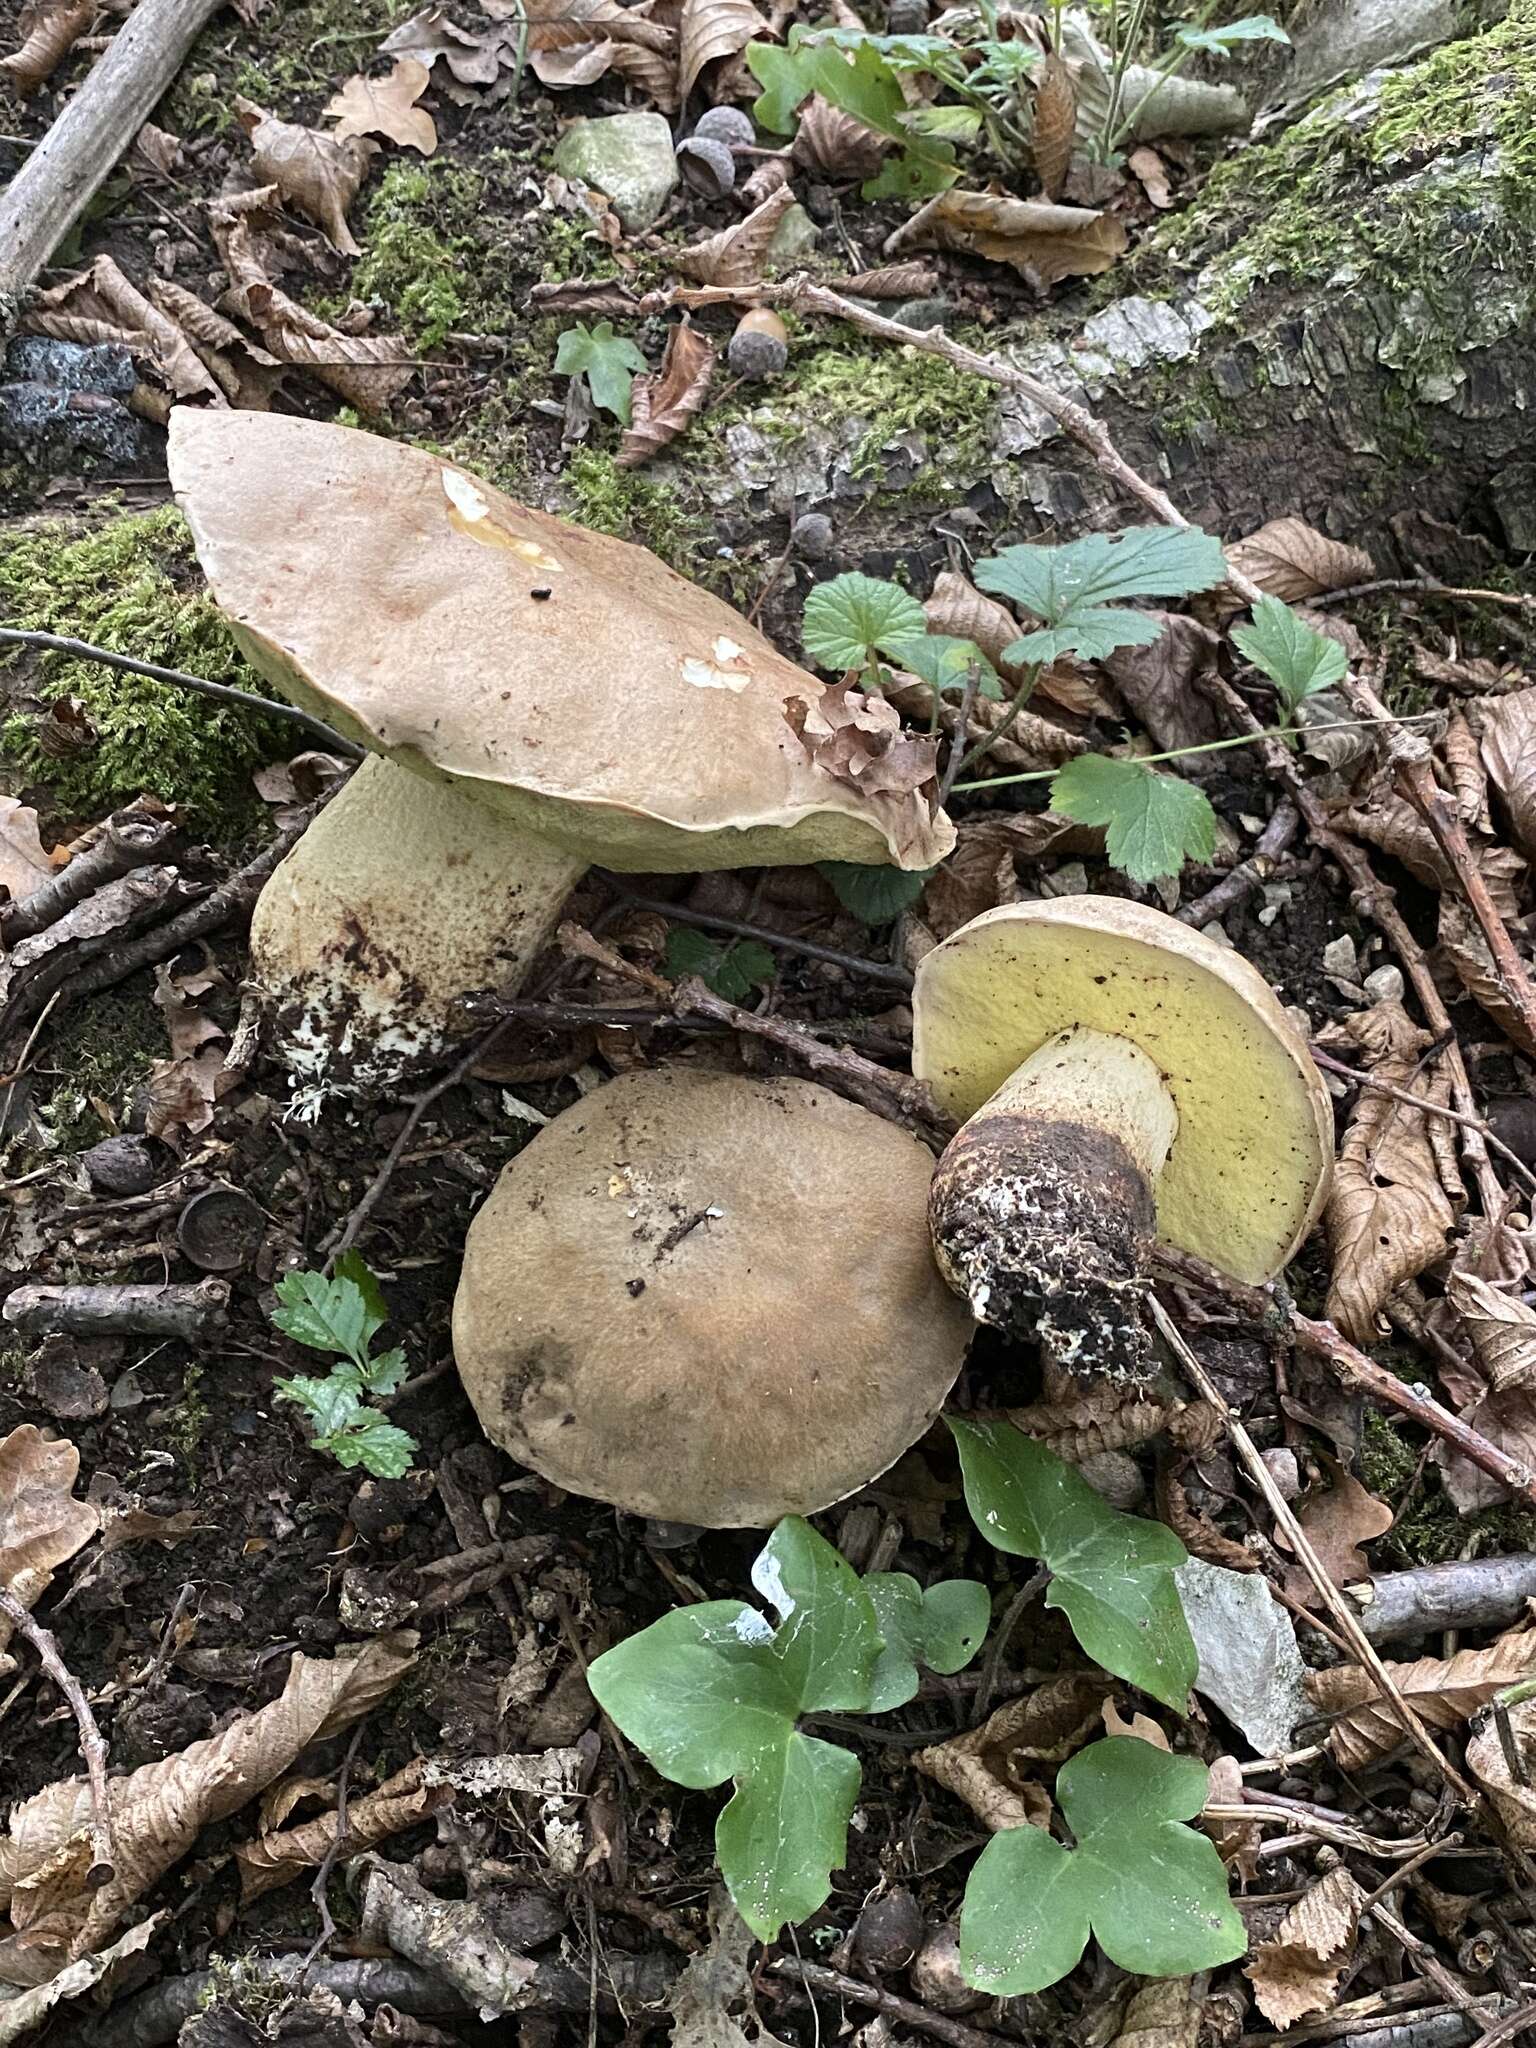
(1248, 1173)
(572, 681)
(709, 1299)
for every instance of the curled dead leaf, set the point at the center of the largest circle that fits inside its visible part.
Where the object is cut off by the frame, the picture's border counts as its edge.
(25, 2010)
(23, 863)
(1237, 1842)
(1162, 683)
(662, 405)
(159, 148)
(320, 174)
(1508, 1421)
(1299, 1972)
(1508, 726)
(1293, 561)
(1336, 1520)
(49, 31)
(1443, 1692)
(386, 106)
(860, 740)
(710, 30)
(1502, 1328)
(988, 1766)
(42, 1525)
(477, 65)
(278, 1858)
(1044, 242)
(1151, 173)
(1055, 130)
(1514, 1801)
(956, 606)
(104, 295)
(1464, 946)
(737, 254)
(834, 145)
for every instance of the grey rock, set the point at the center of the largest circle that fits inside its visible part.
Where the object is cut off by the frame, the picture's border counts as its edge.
(123, 1166)
(1250, 1666)
(811, 536)
(628, 156)
(794, 239)
(922, 314)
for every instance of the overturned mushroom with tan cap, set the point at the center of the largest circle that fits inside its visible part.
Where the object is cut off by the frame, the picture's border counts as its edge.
(539, 697)
(708, 1298)
(1124, 1079)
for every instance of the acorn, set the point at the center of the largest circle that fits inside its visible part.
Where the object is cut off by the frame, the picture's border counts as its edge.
(728, 125)
(707, 165)
(760, 345)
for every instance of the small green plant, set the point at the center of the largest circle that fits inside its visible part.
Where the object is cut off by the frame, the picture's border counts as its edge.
(874, 895)
(1153, 823)
(1127, 34)
(715, 1692)
(732, 970)
(609, 362)
(342, 1315)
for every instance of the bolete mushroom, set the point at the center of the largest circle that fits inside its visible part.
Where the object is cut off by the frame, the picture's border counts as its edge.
(1123, 1078)
(709, 1299)
(537, 697)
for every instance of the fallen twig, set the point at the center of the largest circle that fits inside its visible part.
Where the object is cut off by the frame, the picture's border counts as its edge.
(226, 693)
(167, 1309)
(128, 839)
(1466, 1593)
(1250, 873)
(1422, 1102)
(92, 1744)
(817, 1977)
(738, 928)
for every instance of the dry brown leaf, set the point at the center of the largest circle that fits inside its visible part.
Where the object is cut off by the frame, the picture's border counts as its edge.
(1055, 132)
(1161, 683)
(737, 254)
(662, 404)
(710, 30)
(1468, 778)
(1300, 1971)
(1141, 1726)
(23, 863)
(138, 1525)
(1198, 1534)
(1502, 1328)
(320, 174)
(575, 42)
(478, 65)
(20, 2014)
(860, 740)
(1509, 754)
(1443, 1691)
(1163, 2014)
(103, 293)
(49, 32)
(1237, 1842)
(1391, 823)
(386, 106)
(159, 148)
(1463, 945)
(836, 146)
(1336, 1521)
(1508, 1421)
(1087, 1417)
(987, 1767)
(1389, 1214)
(1045, 243)
(159, 1809)
(1514, 1803)
(42, 1525)
(276, 1859)
(1293, 561)
(1151, 173)
(1030, 741)
(956, 606)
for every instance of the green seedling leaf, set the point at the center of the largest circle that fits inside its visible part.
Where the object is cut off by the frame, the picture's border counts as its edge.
(1253, 28)
(378, 1446)
(384, 1374)
(341, 1314)
(713, 1692)
(330, 1403)
(608, 361)
(1298, 660)
(851, 615)
(1092, 632)
(1112, 1574)
(942, 661)
(787, 76)
(911, 175)
(1058, 583)
(945, 124)
(941, 1628)
(732, 971)
(1152, 1890)
(1155, 822)
(874, 895)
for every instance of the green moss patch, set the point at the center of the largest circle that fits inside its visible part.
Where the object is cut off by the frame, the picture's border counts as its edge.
(622, 502)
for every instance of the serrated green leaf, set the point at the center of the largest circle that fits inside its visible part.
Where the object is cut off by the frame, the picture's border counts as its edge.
(330, 1403)
(948, 124)
(846, 618)
(378, 1446)
(608, 361)
(943, 661)
(1152, 1890)
(1253, 28)
(384, 1374)
(1112, 1574)
(732, 971)
(1298, 660)
(1093, 633)
(1055, 583)
(780, 1838)
(874, 895)
(1155, 822)
(341, 1314)
(941, 1628)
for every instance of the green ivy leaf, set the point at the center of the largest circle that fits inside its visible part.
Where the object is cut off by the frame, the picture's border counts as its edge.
(787, 77)
(378, 1446)
(341, 1314)
(1155, 822)
(1152, 1890)
(1058, 583)
(713, 1692)
(1298, 660)
(608, 361)
(1253, 28)
(1093, 633)
(330, 1403)
(943, 660)
(874, 895)
(1112, 1574)
(846, 618)
(941, 1628)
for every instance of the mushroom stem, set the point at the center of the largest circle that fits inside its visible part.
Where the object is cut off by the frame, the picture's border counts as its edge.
(1042, 1207)
(403, 896)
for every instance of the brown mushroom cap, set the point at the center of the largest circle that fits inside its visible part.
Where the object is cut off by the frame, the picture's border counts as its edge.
(576, 683)
(708, 1298)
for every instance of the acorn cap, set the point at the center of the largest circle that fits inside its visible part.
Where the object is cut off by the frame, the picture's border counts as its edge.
(1247, 1175)
(708, 1299)
(568, 680)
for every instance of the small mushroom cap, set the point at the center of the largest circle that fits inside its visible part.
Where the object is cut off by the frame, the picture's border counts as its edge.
(1248, 1173)
(709, 1299)
(574, 682)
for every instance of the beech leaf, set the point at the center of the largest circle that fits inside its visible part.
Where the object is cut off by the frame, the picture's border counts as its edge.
(661, 406)
(318, 173)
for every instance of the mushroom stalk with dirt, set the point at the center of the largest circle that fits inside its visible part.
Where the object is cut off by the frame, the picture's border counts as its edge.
(1123, 1080)
(535, 697)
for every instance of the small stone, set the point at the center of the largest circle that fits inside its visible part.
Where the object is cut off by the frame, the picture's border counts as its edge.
(794, 239)
(628, 156)
(935, 1975)
(1116, 1478)
(811, 536)
(729, 125)
(122, 1166)
(906, 17)
(1339, 957)
(889, 1932)
(69, 1393)
(1283, 1470)
(922, 315)
(1384, 984)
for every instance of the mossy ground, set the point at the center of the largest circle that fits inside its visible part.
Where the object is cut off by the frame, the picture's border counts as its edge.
(97, 1057)
(1429, 1528)
(131, 584)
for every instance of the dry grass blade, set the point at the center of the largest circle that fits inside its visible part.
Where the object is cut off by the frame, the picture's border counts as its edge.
(710, 30)
(1444, 1691)
(662, 405)
(736, 255)
(1055, 133)
(49, 32)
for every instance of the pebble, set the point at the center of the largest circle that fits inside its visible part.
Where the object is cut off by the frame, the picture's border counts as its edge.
(123, 1165)
(628, 156)
(811, 536)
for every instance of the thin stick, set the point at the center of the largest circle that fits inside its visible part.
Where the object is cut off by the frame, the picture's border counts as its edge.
(1301, 1547)
(957, 755)
(320, 1888)
(1421, 586)
(817, 1977)
(226, 693)
(736, 927)
(92, 1745)
(1449, 1986)
(1249, 874)
(1415, 1862)
(1472, 1123)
